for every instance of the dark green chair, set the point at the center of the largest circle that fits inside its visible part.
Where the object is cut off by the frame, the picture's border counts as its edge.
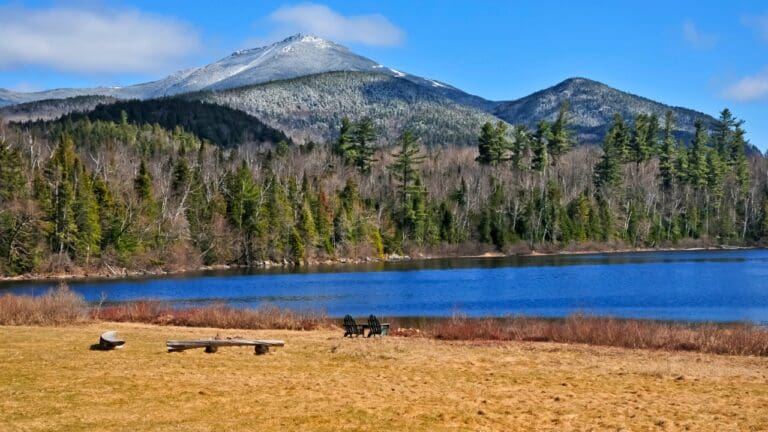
(351, 328)
(377, 328)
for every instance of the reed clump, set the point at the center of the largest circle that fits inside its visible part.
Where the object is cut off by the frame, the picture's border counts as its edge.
(732, 338)
(264, 317)
(56, 307)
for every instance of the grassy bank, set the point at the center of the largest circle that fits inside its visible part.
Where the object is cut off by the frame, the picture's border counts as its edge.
(729, 338)
(61, 306)
(51, 380)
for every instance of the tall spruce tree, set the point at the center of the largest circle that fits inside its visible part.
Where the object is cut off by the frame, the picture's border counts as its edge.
(667, 152)
(608, 171)
(521, 145)
(493, 144)
(364, 136)
(697, 159)
(560, 140)
(541, 142)
(345, 144)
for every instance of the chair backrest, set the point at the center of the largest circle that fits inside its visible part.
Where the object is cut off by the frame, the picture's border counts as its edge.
(374, 325)
(349, 323)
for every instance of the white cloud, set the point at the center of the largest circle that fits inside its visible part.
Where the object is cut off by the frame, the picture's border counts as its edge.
(759, 23)
(320, 20)
(696, 38)
(93, 40)
(749, 88)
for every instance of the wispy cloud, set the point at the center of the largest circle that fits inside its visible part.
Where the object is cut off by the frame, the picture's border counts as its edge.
(696, 38)
(749, 88)
(759, 23)
(93, 40)
(322, 21)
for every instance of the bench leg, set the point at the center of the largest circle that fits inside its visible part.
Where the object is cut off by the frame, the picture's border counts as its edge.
(210, 349)
(261, 349)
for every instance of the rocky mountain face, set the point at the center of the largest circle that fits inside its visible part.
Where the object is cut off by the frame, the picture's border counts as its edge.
(592, 105)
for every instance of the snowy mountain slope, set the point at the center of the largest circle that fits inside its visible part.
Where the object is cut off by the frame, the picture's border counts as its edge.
(311, 107)
(592, 105)
(296, 56)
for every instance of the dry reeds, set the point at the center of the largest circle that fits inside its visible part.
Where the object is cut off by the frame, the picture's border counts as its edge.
(734, 339)
(218, 316)
(56, 307)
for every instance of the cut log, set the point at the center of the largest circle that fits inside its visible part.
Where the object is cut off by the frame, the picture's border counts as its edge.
(109, 340)
(211, 345)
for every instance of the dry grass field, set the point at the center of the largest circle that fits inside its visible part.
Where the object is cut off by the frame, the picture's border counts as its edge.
(51, 381)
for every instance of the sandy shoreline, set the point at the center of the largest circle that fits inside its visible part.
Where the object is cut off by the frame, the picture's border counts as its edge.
(124, 273)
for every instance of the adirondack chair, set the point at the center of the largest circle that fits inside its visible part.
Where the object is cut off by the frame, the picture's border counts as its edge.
(351, 328)
(377, 328)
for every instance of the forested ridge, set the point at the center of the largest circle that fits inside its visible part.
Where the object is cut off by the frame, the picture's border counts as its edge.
(216, 123)
(93, 194)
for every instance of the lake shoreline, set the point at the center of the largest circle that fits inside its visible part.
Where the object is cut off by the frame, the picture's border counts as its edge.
(118, 273)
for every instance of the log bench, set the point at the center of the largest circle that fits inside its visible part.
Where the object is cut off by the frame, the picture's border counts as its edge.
(212, 345)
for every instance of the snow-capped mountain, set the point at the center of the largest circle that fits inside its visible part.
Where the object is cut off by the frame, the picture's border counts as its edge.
(592, 105)
(296, 56)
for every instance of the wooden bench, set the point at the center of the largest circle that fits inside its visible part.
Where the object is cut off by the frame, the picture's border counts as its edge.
(109, 340)
(212, 345)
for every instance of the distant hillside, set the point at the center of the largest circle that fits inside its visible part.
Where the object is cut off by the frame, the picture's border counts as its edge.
(311, 107)
(218, 124)
(592, 105)
(51, 109)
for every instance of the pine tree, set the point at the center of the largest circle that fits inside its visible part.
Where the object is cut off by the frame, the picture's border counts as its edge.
(493, 144)
(560, 140)
(242, 207)
(181, 176)
(485, 145)
(542, 139)
(667, 153)
(521, 146)
(61, 173)
(142, 184)
(723, 134)
(608, 170)
(404, 168)
(642, 140)
(364, 135)
(86, 210)
(345, 145)
(697, 159)
(12, 183)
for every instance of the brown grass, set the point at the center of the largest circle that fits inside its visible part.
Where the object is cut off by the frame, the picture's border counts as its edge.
(321, 381)
(56, 307)
(220, 316)
(734, 339)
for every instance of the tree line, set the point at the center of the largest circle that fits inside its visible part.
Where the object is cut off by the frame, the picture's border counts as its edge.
(109, 194)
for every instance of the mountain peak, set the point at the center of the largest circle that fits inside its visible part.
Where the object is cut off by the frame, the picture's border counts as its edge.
(577, 81)
(285, 44)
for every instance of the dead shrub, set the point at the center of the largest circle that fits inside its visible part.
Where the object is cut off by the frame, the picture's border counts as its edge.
(733, 339)
(56, 307)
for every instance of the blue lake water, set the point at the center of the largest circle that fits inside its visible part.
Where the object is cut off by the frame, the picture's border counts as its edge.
(700, 286)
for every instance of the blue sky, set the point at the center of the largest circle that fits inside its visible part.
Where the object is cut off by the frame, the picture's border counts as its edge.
(704, 55)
